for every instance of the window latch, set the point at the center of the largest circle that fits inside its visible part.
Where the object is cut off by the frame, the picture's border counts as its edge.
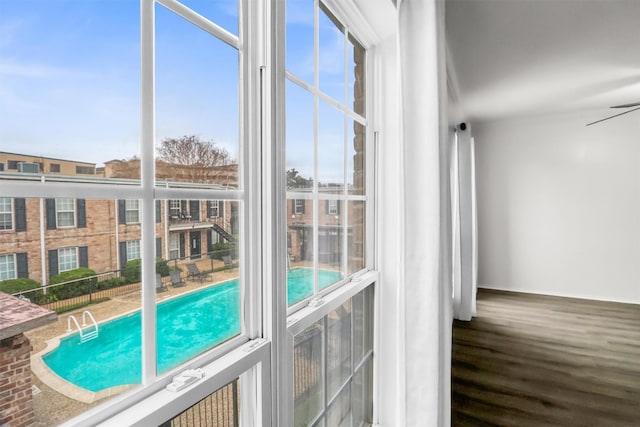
(185, 379)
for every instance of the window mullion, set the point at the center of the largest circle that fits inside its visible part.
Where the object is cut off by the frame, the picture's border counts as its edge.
(147, 59)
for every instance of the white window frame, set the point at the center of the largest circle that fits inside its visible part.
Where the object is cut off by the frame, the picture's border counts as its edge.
(174, 246)
(13, 262)
(10, 213)
(59, 211)
(133, 246)
(215, 208)
(174, 209)
(299, 206)
(72, 250)
(333, 207)
(132, 211)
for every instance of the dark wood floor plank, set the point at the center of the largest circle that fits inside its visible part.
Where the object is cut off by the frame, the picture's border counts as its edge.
(535, 360)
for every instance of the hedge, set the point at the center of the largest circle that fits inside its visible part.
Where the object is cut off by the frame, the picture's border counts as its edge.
(76, 288)
(12, 286)
(131, 271)
(218, 250)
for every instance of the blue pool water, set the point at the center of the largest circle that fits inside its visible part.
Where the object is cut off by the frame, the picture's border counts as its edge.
(186, 326)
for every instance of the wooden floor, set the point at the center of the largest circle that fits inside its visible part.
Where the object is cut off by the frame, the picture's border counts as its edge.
(532, 360)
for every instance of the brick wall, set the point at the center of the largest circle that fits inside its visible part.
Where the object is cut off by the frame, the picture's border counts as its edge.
(16, 405)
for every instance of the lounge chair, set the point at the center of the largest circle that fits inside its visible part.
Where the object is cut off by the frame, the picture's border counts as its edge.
(194, 273)
(176, 279)
(160, 287)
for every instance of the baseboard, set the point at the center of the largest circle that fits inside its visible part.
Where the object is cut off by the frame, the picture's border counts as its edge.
(558, 294)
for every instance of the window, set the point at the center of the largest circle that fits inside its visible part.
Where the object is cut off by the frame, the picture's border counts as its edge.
(12, 164)
(85, 170)
(132, 211)
(1, 167)
(174, 209)
(54, 167)
(65, 212)
(174, 246)
(6, 213)
(332, 207)
(7, 267)
(133, 250)
(326, 149)
(67, 259)
(214, 212)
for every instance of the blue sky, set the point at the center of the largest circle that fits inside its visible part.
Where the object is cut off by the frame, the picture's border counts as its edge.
(70, 80)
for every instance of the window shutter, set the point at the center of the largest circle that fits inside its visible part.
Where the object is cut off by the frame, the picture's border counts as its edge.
(209, 208)
(293, 206)
(51, 215)
(194, 210)
(326, 207)
(338, 206)
(23, 265)
(221, 208)
(123, 254)
(183, 207)
(20, 214)
(182, 252)
(83, 255)
(158, 247)
(158, 211)
(122, 212)
(304, 205)
(82, 213)
(53, 262)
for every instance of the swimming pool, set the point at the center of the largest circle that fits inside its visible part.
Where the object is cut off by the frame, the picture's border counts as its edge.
(114, 357)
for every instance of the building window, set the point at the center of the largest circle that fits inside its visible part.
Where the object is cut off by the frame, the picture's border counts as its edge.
(85, 170)
(174, 209)
(132, 211)
(67, 259)
(54, 167)
(174, 246)
(1, 167)
(214, 211)
(12, 164)
(332, 208)
(299, 207)
(65, 212)
(6, 213)
(7, 267)
(133, 250)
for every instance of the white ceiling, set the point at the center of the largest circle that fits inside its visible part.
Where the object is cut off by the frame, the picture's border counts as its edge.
(530, 57)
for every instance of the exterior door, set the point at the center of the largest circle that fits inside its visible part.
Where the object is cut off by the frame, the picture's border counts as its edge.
(196, 244)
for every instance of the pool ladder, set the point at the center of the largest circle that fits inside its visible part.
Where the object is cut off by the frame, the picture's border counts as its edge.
(88, 333)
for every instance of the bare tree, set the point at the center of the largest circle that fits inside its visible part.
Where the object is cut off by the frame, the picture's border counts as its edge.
(190, 158)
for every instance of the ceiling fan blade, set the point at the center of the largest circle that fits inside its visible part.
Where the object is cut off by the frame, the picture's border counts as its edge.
(611, 117)
(635, 104)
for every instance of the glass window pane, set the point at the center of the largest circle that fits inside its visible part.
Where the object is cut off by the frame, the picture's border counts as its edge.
(6, 213)
(339, 413)
(308, 374)
(338, 348)
(356, 158)
(331, 56)
(70, 84)
(219, 409)
(198, 288)
(299, 43)
(362, 394)
(198, 120)
(330, 243)
(356, 236)
(7, 268)
(87, 362)
(300, 273)
(330, 149)
(356, 76)
(299, 137)
(222, 12)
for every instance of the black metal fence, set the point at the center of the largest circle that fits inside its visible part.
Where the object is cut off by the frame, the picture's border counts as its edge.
(219, 409)
(77, 293)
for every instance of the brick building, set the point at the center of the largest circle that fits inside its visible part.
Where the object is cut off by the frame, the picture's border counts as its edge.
(56, 235)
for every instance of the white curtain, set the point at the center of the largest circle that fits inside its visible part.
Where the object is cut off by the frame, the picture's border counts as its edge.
(426, 217)
(465, 238)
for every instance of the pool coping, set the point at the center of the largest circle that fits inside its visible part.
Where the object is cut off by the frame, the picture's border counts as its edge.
(65, 387)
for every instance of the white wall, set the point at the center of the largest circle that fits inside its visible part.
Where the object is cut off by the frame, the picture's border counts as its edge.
(559, 205)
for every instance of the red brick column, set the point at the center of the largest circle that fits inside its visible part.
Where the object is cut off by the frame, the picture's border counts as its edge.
(16, 405)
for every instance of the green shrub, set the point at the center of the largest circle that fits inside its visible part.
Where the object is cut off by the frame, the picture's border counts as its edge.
(132, 269)
(77, 287)
(13, 286)
(114, 282)
(218, 250)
